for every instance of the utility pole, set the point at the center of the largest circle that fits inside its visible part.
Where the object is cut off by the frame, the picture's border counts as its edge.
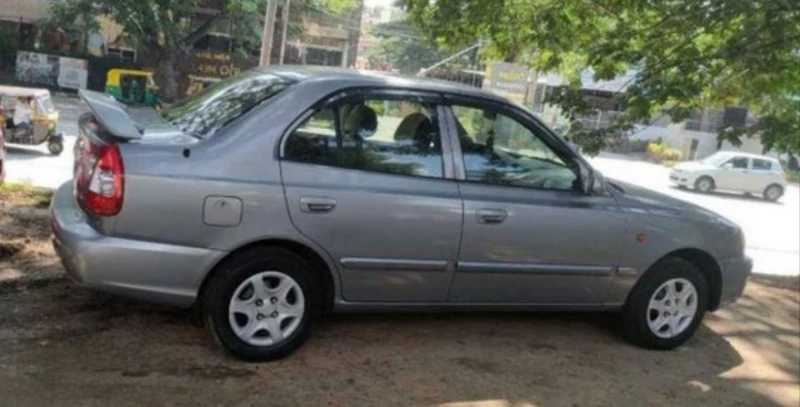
(285, 27)
(269, 30)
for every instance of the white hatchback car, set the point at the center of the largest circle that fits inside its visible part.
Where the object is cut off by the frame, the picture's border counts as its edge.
(733, 171)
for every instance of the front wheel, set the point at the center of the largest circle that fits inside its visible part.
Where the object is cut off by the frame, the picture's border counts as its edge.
(666, 306)
(262, 304)
(55, 147)
(704, 184)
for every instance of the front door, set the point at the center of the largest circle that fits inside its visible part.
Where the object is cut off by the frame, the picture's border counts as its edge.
(530, 236)
(734, 174)
(366, 179)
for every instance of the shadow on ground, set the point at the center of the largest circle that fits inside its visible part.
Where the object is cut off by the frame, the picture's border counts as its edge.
(94, 348)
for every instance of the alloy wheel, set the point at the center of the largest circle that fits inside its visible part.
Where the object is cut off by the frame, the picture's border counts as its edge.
(672, 308)
(266, 308)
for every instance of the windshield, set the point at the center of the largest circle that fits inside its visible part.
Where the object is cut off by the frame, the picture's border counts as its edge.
(205, 113)
(45, 105)
(716, 159)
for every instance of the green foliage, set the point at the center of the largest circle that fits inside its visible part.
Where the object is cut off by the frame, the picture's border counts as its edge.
(154, 24)
(403, 47)
(161, 27)
(687, 54)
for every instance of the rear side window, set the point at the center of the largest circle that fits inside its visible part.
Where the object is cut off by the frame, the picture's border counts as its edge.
(203, 114)
(763, 165)
(392, 135)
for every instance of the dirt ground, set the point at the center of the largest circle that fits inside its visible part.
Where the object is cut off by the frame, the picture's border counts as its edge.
(61, 343)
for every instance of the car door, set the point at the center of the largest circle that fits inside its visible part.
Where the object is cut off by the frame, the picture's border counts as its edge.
(365, 178)
(734, 174)
(762, 174)
(530, 236)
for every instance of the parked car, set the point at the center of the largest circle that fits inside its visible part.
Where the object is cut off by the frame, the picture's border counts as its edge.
(284, 193)
(733, 171)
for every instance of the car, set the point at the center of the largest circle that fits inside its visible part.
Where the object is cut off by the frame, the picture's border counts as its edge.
(285, 193)
(733, 171)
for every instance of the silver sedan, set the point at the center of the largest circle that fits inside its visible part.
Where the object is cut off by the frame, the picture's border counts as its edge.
(285, 193)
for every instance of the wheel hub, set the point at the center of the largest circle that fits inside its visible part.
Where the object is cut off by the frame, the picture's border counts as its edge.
(672, 308)
(266, 308)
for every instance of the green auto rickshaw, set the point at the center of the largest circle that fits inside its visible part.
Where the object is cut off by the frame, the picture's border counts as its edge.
(132, 87)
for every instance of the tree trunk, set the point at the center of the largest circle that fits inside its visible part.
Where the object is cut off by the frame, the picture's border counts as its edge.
(166, 76)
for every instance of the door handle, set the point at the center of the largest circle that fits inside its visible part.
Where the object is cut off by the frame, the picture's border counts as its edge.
(317, 204)
(489, 216)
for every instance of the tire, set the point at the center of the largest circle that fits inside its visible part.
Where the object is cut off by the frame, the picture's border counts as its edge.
(704, 184)
(55, 147)
(232, 279)
(773, 192)
(637, 314)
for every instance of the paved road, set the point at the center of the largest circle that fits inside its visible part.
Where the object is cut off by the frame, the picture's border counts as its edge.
(772, 229)
(34, 164)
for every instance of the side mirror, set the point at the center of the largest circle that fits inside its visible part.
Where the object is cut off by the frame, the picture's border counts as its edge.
(728, 166)
(592, 182)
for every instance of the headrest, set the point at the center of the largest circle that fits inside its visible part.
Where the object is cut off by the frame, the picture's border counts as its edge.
(360, 117)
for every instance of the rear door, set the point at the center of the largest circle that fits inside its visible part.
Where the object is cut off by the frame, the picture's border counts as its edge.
(366, 177)
(762, 174)
(530, 235)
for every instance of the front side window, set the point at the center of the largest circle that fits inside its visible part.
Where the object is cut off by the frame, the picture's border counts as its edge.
(387, 135)
(763, 165)
(498, 149)
(206, 112)
(739, 163)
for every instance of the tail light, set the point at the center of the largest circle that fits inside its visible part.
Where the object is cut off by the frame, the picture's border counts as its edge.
(99, 178)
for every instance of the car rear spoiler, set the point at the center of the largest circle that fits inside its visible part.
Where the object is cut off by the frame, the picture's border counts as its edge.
(111, 114)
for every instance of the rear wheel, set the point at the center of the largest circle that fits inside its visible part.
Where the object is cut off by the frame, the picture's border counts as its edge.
(262, 304)
(55, 147)
(704, 184)
(666, 306)
(773, 192)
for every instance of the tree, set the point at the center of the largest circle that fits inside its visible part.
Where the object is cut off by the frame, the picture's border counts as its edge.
(402, 47)
(161, 28)
(684, 55)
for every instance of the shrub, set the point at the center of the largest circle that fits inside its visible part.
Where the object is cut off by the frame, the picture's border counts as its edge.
(661, 151)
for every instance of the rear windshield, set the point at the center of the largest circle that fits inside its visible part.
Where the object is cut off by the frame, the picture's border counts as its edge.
(205, 113)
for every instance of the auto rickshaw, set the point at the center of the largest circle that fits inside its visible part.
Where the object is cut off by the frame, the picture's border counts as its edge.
(132, 87)
(43, 127)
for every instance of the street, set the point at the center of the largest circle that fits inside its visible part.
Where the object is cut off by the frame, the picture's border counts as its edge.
(772, 230)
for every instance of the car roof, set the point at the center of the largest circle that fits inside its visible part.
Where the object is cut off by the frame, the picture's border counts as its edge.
(748, 155)
(357, 77)
(17, 91)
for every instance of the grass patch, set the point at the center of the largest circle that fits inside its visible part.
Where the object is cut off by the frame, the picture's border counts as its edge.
(793, 176)
(25, 194)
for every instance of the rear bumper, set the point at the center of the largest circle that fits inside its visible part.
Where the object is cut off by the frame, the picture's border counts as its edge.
(734, 278)
(142, 270)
